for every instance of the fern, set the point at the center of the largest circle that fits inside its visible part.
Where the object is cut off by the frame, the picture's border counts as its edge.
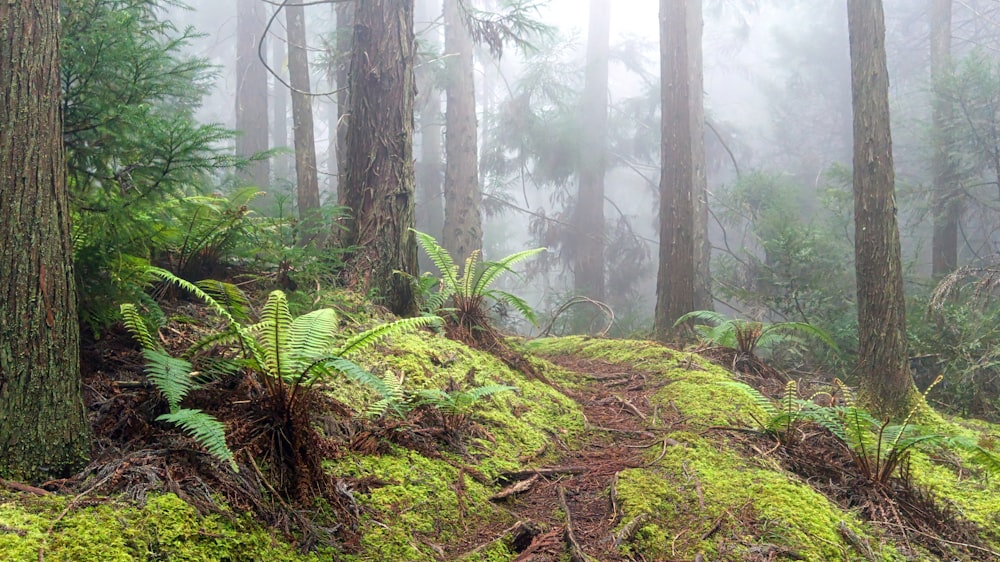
(374, 335)
(459, 402)
(392, 396)
(137, 326)
(229, 296)
(170, 375)
(748, 336)
(206, 430)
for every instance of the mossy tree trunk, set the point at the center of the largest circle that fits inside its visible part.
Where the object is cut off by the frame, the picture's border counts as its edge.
(43, 426)
(882, 356)
(702, 244)
(345, 33)
(588, 220)
(946, 194)
(463, 228)
(430, 179)
(306, 175)
(251, 90)
(675, 277)
(379, 186)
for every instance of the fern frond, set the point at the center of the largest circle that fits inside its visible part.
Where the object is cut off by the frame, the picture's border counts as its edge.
(274, 338)
(762, 401)
(209, 432)
(470, 272)
(170, 375)
(137, 326)
(310, 337)
(229, 296)
(707, 316)
(442, 260)
(481, 392)
(517, 302)
(374, 335)
(803, 328)
(195, 290)
(392, 396)
(494, 268)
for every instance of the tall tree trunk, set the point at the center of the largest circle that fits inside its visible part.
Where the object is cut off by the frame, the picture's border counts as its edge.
(675, 277)
(379, 186)
(345, 35)
(463, 229)
(947, 205)
(251, 89)
(279, 115)
(702, 244)
(430, 199)
(307, 180)
(588, 257)
(43, 426)
(332, 116)
(882, 359)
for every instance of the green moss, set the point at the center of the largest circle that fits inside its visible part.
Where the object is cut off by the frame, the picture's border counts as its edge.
(166, 528)
(418, 505)
(701, 485)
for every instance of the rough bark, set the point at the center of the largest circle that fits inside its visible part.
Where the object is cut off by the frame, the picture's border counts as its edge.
(379, 186)
(463, 229)
(946, 202)
(43, 426)
(675, 277)
(251, 90)
(306, 177)
(882, 359)
(430, 198)
(588, 223)
(345, 34)
(702, 244)
(279, 115)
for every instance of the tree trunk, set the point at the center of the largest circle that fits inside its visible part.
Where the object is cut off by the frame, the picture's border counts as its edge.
(702, 244)
(345, 34)
(279, 121)
(430, 198)
(463, 229)
(251, 90)
(379, 186)
(43, 425)
(588, 257)
(947, 205)
(882, 359)
(675, 277)
(307, 181)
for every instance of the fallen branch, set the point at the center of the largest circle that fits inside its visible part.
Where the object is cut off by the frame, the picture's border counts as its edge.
(553, 471)
(25, 488)
(631, 407)
(518, 487)
(630, 529)
(860, 544)
(519, 533)
(576, 553)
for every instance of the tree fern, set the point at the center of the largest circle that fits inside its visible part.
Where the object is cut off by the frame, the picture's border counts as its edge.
(206, 430)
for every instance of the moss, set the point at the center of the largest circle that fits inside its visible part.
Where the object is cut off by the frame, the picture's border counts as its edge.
(166, 528)
(701, 485)
(417, 506)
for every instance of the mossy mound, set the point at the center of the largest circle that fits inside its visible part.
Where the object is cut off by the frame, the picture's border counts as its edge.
(420, 507)
(708, 496)
(165, 528)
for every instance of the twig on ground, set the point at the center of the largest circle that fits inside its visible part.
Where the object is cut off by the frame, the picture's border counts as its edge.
(576, 553)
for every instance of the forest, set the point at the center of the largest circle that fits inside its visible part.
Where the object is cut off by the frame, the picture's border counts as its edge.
(499, 280)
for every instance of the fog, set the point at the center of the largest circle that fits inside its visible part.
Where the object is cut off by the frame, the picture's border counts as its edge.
(777, 101)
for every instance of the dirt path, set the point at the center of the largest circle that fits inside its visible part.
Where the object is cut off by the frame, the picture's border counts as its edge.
(621, 428)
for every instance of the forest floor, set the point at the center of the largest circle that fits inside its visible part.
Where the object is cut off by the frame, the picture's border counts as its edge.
(575, 501)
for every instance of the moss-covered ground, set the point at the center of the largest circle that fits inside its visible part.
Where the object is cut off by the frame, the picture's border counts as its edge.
(704, 495)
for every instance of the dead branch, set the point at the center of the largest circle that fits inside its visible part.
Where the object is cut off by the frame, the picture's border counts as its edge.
(576, 553)
(518, 487)
(630, 529)
(553, 471)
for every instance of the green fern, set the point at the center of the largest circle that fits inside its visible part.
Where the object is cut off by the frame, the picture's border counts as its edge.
(470, 289)
(170, 375)
(459, 402)
(782, 417)
(748, 336)
(137, 326)
(392, 396)
(206, 430)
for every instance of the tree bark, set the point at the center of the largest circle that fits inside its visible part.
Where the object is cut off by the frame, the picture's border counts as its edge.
(588, 257)
(43, 426)
(463, 229)
(251, 90)
(675, 277)
(430, 197)
(946, 201)
(882, 359)
(307, 180)
(702, 244)
(279, 121)
(379, 186)
(345, 34)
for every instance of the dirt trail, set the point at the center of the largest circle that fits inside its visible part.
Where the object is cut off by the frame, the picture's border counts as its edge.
(621, 428)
